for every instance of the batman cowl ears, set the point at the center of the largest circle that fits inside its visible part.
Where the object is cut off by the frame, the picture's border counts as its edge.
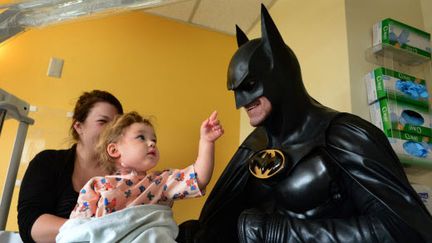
(261, 66)
(241, 36)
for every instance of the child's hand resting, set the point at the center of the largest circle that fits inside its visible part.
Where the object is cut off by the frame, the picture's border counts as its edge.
(211, 129)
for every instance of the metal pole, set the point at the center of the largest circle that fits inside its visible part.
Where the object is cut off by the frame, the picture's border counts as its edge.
(12, 174)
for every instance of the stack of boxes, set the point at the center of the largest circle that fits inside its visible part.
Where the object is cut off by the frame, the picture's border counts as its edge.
(405, 39)
(399, 102)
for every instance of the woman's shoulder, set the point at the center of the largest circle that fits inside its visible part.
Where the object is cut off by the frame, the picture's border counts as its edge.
(54, 157)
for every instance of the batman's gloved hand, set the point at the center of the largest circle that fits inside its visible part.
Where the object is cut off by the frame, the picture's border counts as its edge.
(251, 226)
(257, 226)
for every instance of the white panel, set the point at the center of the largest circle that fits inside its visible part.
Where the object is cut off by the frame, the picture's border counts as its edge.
(223, 15)
(179, 11)
(55, 67)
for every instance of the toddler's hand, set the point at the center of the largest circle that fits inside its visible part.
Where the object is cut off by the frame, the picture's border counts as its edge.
(211, 129)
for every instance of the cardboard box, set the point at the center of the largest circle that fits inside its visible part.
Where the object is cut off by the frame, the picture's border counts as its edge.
(425, 194)
(413, 151)
(402, 36)
(390, 116)
(386, 83)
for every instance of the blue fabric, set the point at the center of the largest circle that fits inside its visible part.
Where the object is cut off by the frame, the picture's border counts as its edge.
(411, 117)
(415, 91)
(415, 149)
(150, 223)
(402, 38)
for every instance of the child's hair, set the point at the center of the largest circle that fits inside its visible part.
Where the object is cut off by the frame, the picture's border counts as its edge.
(112, 133)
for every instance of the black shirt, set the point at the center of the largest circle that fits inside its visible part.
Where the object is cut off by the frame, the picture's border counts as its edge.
(46, 189)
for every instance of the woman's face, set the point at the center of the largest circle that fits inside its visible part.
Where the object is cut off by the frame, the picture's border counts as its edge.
(97, 118)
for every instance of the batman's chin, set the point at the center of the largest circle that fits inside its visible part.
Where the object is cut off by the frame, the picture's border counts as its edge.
(258, 111)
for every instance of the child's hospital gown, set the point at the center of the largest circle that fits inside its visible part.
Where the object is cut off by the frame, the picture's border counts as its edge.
(104, 195)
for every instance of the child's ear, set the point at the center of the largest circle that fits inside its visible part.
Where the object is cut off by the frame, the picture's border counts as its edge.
(113, 151)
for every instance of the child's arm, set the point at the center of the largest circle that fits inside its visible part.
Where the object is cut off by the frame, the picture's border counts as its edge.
(210, 130)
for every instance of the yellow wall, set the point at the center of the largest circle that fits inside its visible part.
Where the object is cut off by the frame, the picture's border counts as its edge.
(317, 34)
(172, 71)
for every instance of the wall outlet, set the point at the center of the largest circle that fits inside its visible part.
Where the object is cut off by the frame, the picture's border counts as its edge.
(55, 67)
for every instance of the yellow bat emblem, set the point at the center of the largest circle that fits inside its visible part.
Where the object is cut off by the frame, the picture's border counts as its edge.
(266, 163)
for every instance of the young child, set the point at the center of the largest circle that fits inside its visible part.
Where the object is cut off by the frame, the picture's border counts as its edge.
(128, 150)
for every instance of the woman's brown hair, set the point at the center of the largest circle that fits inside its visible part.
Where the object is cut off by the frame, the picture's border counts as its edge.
(86, 102)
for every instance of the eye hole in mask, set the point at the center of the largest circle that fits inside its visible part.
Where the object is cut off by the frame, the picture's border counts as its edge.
(249, 85)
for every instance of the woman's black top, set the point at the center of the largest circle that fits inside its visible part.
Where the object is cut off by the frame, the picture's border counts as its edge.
(46, 189)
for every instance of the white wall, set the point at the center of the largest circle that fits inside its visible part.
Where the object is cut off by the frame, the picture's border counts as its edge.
(360, 16)
(427, 16)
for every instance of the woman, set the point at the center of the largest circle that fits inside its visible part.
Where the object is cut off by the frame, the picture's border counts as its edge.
(50, 186)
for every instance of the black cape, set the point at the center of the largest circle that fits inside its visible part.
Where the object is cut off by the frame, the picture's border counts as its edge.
(359, 148)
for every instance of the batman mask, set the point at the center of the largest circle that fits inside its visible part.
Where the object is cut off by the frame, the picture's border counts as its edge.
(264, 67)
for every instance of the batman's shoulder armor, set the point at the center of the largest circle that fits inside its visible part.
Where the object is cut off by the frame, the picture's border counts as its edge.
(257, 140)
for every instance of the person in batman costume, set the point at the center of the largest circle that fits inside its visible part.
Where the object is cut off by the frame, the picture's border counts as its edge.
(307, 173)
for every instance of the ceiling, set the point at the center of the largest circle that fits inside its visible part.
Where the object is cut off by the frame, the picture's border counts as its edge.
(217, 15)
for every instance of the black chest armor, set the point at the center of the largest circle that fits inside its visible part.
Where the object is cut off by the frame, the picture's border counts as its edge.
(309, 188)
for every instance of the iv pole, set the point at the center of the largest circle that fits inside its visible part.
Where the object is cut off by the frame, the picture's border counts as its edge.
(15, 108)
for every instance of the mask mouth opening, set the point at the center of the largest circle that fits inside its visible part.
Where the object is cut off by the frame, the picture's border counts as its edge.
(252, 104)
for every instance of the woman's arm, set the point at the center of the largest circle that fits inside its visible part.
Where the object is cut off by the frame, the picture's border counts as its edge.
(39, 198)
(46, 228)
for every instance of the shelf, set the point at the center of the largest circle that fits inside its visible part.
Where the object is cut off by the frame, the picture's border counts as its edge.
(410, 162)
(404, 64)
(379, 53)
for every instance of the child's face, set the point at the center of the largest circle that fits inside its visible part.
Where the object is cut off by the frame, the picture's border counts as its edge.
(137, 148)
